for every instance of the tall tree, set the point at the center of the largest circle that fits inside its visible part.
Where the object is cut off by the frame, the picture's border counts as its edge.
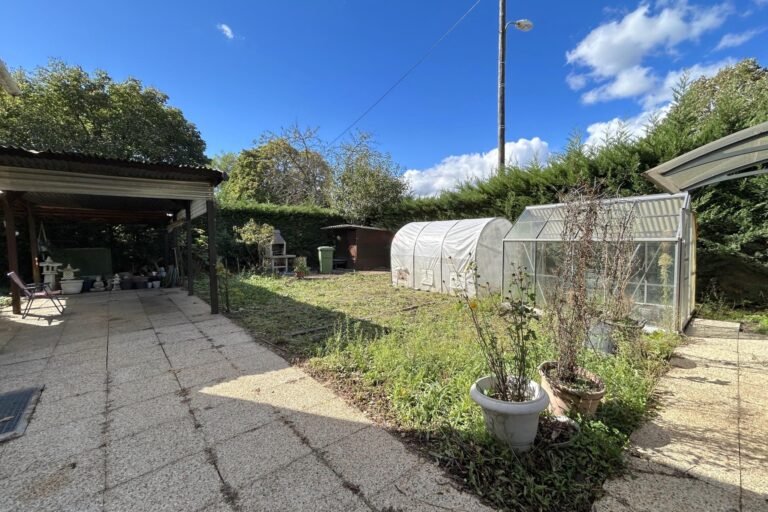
(366, 181)
(288, 168)
(64, 108)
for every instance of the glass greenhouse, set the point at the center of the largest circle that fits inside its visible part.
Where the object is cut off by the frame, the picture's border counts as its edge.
(663, 233)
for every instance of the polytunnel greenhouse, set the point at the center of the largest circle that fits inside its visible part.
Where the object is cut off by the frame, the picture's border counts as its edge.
(444, 256)
(663, 234)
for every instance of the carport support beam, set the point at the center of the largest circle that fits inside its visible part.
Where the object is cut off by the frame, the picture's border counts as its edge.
(10, 241)
(188, 222)
(210, 207)
(33, 244)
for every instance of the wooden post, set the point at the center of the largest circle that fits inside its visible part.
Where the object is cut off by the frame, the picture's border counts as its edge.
(210, 207)
(10, 240)
(190, 273)
(33, 244)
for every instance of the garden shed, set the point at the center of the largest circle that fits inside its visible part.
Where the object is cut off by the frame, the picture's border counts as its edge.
(440, 256)
(361, 247)
(663, 234)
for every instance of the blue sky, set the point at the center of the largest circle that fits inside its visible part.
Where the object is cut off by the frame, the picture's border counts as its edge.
(323, 62)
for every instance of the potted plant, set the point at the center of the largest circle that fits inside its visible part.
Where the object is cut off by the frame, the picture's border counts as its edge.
(615, 265)
(571, 308)
(300, 267)
(510, 399)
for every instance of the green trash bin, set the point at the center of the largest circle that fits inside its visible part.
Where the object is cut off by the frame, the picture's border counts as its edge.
(325, 255)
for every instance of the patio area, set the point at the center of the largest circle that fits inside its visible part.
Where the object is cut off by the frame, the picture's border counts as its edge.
(152, 403)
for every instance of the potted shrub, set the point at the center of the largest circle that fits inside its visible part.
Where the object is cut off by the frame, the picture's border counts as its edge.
(615, 265)
(571, 308)
(300, 267)
(510, 399)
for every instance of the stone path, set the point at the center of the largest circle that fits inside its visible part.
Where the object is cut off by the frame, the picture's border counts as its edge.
(151, 403)
(707, 448)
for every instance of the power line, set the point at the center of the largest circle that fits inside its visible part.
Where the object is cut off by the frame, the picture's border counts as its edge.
(408, 72)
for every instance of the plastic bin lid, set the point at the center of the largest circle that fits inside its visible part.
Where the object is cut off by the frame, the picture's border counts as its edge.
(325, 247)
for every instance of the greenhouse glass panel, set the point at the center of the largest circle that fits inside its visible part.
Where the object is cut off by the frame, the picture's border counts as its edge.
(664, 241)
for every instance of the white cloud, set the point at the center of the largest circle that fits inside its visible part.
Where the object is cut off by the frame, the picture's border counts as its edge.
(226, 30)
(664, 92)
(628, 83)
(734, 40)
(636, 126)
(576, 81)
(454, 170)
(613, 53)
(656, 104)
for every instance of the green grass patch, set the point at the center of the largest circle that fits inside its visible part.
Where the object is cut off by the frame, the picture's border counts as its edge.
(410, 357)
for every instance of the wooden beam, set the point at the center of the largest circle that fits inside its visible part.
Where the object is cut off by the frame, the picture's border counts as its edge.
(10, 239)
(210, 207)
(32, 224)
(190, 273)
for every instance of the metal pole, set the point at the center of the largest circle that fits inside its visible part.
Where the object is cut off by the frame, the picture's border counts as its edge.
(502, 56)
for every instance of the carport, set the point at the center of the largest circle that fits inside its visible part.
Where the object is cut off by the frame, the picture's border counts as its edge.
(39, 185)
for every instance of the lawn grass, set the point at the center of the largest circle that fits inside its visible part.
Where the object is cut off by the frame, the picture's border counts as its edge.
(409, 358)
(753, 319)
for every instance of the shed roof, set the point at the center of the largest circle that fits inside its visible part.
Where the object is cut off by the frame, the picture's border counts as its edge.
(94, 164)
(354, 226)
(78, 186)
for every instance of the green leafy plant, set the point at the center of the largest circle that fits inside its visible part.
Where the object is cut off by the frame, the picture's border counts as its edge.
(256, 238)
(506, 348)
(300, 266)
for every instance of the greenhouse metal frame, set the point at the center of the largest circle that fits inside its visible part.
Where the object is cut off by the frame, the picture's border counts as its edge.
(663, 232)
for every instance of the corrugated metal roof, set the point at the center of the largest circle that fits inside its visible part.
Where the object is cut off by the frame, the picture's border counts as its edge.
(354, 226)
(11, 156)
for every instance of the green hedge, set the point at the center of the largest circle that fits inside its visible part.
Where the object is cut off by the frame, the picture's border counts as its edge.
(299, 225)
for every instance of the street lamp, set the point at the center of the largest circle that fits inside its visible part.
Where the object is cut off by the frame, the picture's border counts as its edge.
(523, 26)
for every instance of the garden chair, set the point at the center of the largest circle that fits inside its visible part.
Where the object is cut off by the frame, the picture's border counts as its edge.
(35, 291)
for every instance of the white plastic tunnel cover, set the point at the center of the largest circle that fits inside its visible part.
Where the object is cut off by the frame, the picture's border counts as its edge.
(437, 256)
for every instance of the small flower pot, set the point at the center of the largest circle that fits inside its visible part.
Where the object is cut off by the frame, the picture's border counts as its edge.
(513, 423)
(565, 398)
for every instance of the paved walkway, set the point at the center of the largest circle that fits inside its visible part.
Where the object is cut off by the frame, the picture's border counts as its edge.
(151, 403)
(707, 449)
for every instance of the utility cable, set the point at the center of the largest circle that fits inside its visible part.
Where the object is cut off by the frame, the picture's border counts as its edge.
(405, 75)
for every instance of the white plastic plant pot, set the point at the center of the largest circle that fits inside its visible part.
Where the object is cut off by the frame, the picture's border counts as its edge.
(514, 423)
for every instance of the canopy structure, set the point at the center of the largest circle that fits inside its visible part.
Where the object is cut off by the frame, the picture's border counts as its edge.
(664, 235)
(444, 256)
(738, 155)
(89, 188)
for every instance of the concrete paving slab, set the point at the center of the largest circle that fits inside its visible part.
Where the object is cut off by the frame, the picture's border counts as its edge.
(212, 373)
(97, 356)
(296, 395)
(81, 345)
(158, 446)
(55, 486)
(254, 454)
(250, 387)
(51, 412)
(321, 490)
(371, 459)
(188, 484)
(664, 493)
(176, 333)
(328, 422)
(233, 417)
(50, 446)
(143, 389)
(139, 416)
(139, 371)
(61, 384)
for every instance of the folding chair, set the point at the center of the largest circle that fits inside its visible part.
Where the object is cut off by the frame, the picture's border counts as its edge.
(35, 291)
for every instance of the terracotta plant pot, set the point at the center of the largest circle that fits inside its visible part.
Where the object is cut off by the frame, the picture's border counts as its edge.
(514, 423)
(300, 274)
(564, 399)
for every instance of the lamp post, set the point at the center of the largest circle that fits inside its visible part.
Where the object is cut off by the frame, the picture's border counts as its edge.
(524, 26)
